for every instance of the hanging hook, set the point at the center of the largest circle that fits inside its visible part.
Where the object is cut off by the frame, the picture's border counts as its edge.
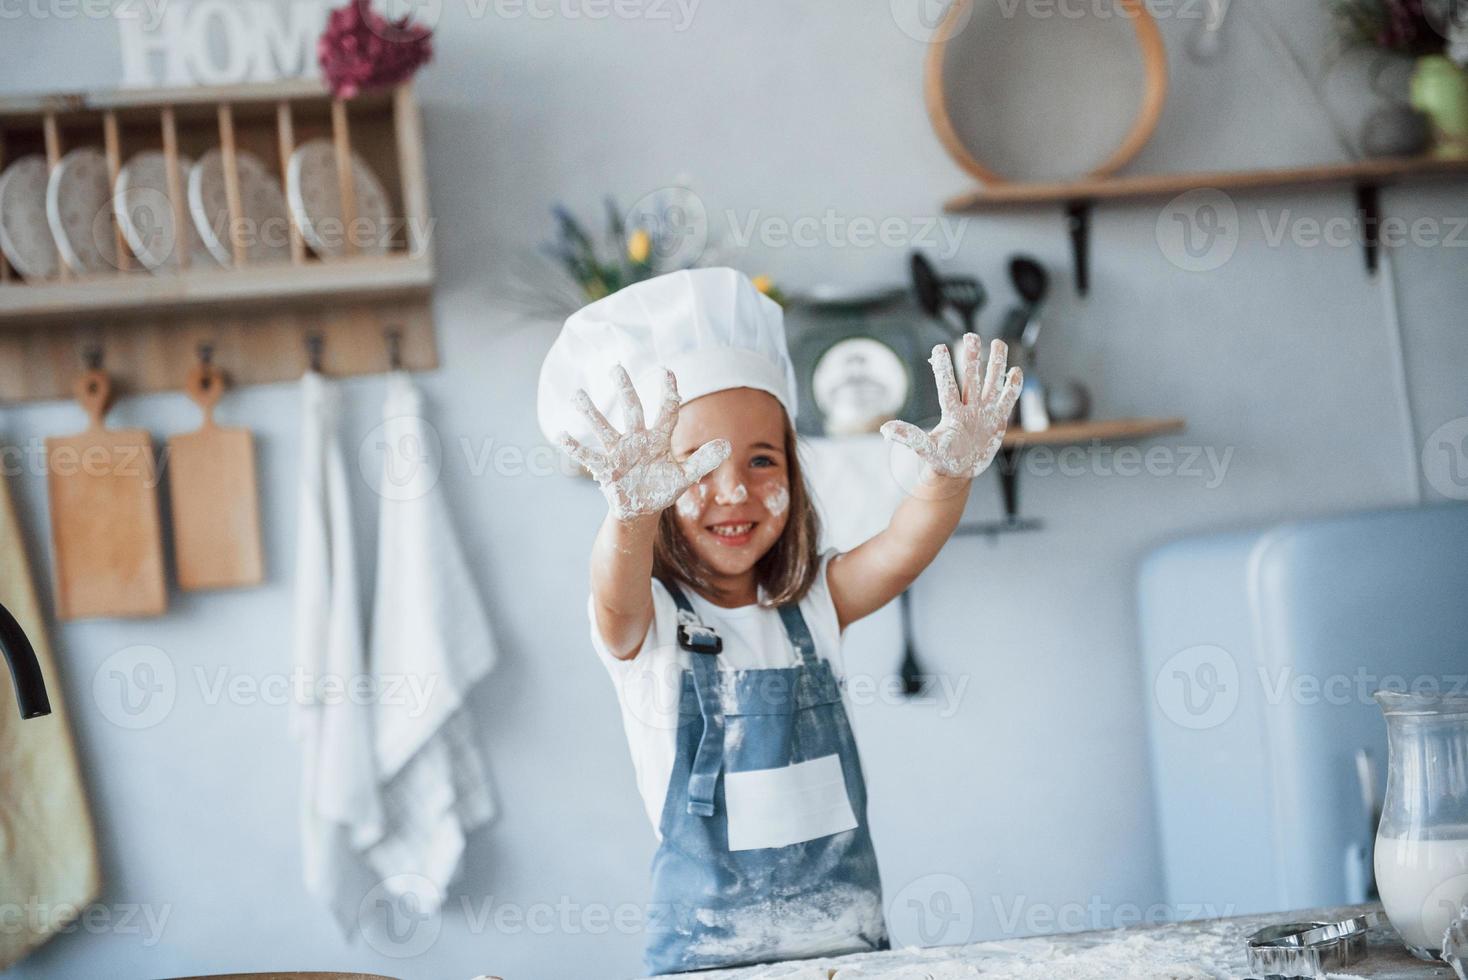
(92, 356)
(206, 353)
(394, 338)
(314, 346)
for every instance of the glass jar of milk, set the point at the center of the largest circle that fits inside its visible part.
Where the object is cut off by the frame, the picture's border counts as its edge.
(1422, 842)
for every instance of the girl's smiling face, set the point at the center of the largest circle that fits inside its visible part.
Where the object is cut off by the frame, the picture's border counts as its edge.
(733, 516)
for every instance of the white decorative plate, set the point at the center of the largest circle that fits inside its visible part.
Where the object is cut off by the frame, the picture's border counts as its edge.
(78, 208)
(315, 201)
(265, 224)
(25, 234)
(145, 213)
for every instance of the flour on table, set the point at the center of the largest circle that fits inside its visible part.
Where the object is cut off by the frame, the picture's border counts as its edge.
(790, 928)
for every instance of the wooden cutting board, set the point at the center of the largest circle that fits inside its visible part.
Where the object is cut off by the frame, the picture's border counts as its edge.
(48, 854)
(211, 486)
(104, 515)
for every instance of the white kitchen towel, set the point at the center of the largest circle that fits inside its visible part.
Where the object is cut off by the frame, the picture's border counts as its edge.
(341, 812)
(431, 643)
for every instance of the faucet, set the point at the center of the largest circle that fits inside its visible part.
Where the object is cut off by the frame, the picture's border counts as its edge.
(25, 669)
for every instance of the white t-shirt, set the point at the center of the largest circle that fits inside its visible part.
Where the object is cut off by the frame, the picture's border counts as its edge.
(649, 684)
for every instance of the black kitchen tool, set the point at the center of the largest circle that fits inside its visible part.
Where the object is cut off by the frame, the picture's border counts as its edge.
(927, 286)
(911, 673)
(25, 669)
(966, 295)
(1029, 278)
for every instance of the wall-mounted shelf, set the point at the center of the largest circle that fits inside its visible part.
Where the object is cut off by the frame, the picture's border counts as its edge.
(259, 321)
(1080, 196)
(1061, 434)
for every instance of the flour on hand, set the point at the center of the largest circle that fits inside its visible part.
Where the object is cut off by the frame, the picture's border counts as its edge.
(971, 430)
(636, 469)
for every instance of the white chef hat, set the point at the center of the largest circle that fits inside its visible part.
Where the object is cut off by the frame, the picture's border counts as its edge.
(711, 327)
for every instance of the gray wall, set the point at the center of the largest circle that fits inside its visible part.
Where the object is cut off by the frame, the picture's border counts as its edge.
(1034, 791)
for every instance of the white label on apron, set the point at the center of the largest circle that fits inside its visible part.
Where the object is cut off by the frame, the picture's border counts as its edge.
(780, 807)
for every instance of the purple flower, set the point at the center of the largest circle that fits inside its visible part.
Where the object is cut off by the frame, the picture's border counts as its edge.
(361, 50)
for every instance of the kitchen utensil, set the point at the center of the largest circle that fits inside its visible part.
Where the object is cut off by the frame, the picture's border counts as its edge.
(25, 234)
(49, 859)
(315, 202)
(79, 210)
(910, 672)
(264, 219)
(1308, 949)
(1068, 402)
(145, 214)
(104, 515)
(966, 295)
(1033, 284)
(211, 484)
(1422, 842)
(927, 286)
(980, 75)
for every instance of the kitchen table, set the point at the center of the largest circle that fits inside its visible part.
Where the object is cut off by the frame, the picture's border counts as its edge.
(1210, 949)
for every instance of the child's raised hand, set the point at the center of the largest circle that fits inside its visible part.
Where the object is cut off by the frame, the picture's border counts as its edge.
(971, 430)
(637, 470)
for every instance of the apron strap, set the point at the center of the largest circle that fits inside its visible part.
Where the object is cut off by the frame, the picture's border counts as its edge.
(704, 644)
(799, 633)
(709, 758)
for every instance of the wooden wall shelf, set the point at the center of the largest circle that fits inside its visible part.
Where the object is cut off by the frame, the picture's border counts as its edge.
(1080, 196)
(1086, 433)
(261, 286)
(1141, 187)
(256, 321)
(1075, 433)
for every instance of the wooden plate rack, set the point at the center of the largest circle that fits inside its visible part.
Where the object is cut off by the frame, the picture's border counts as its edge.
(260, 323)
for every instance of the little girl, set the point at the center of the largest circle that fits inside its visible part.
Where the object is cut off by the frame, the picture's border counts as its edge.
(720, 621)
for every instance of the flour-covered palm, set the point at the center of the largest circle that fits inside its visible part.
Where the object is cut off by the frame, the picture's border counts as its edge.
(971, 430)
(637, 470)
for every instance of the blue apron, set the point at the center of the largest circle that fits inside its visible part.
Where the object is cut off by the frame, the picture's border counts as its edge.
(765, 853)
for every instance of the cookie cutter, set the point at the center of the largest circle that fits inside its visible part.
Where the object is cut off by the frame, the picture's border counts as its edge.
(1310, 949)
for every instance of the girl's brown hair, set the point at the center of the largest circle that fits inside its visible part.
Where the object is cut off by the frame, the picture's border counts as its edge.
(784, 574)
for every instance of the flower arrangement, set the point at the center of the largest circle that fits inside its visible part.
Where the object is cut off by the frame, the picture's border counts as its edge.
(630, 254)
(1414, 28)
(361, 50)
